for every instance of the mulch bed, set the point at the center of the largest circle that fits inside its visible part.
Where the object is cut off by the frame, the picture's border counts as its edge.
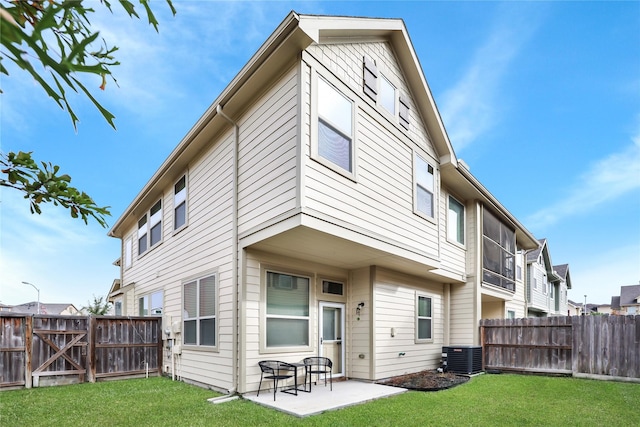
(430, 380)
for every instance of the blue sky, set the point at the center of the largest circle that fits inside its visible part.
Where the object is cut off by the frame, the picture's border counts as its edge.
(541, 99)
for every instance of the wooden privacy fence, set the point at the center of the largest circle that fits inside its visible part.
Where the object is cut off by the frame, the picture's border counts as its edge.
(577, 345)
(37, 350)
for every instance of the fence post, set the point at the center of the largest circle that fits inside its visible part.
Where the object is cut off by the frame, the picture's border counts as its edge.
(28, 338)
(91, 372)
(576, 343)
(482, 332)
(160, 347)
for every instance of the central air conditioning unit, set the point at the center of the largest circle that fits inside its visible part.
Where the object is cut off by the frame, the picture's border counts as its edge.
(464, 359)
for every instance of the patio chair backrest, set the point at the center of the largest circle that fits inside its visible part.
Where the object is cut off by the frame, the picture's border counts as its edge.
(275, 367)
(318, 361)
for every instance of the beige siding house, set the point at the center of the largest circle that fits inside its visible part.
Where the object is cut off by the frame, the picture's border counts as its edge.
(547, 285)
(317, 207)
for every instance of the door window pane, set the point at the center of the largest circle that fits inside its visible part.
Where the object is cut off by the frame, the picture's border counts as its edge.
(329, 323)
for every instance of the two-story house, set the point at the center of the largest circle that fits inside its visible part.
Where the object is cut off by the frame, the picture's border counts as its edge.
(318, 208)
(546, 285)
(628, 302)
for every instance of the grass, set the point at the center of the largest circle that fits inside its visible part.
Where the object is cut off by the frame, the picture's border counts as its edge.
(486, 400)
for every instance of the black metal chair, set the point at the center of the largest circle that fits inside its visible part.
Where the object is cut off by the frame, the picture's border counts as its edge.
(276, 371)
(319, 366)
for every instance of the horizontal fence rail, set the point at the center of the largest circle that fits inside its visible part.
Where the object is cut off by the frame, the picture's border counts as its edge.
(44, 350)
(577, 345)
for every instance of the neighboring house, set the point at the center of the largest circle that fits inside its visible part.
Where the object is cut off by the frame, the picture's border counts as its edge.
(317, 207)
(46, 308)
(574, 308)
(604, 309)
(628, 302)
(547, 285)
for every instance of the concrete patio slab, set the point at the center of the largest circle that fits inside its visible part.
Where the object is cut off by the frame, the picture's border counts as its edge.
(321, 398)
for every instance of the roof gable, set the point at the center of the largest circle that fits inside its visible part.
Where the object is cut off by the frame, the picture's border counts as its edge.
(629, 295)
(294, 34)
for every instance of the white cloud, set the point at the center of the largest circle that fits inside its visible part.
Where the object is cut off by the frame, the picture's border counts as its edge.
(470, 107)
(605, 180)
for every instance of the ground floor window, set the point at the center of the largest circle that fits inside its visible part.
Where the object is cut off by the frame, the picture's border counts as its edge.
(150, 304)
(199, 304)
(287, 311)
(424, 318)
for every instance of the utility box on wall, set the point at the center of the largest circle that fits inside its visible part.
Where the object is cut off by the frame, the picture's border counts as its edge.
(464, 359)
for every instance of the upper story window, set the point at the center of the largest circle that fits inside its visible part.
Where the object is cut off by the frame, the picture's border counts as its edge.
(424, 186)
(180, 203)
(199, 308)
(498, 252)
(287, 314)
(150, 228)
(335, 126)
(455, 225)
(380, 89)
(387, 95)
(424, 318)
(150, 304)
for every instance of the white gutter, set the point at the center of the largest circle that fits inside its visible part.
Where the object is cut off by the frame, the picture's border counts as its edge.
(234, 267)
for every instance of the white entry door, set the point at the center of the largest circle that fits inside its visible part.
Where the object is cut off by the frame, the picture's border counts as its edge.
(331, 334)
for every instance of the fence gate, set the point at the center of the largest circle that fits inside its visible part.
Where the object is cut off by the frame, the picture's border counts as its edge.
(13, 345)
(59, 350)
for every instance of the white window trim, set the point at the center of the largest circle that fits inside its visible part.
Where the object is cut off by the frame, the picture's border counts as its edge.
(178, 199)
(339, 87)
(263, 310)
(464, 223)
(152, 220)
(383, 77)
(416, 211)
(148, 297)
(200, 347)
(417, 318)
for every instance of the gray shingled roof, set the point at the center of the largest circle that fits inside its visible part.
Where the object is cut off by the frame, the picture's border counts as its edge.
(615, 303)
(629, 295)
(45, 308)
(562, 270)
(534, 254)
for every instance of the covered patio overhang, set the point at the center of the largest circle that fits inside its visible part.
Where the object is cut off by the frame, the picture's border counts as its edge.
(306, 238)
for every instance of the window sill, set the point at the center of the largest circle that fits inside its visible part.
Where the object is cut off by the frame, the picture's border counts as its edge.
(337, 169)
(457, 244)
(151, 249)
(292, 349)
(179, 230)
(425, 216)
(201, 348)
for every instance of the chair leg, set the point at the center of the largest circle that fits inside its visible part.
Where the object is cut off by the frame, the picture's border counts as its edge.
(275, 388)
(259, 385)
(331, 379)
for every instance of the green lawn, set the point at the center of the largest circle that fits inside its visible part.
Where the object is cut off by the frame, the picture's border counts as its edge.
(486, 400)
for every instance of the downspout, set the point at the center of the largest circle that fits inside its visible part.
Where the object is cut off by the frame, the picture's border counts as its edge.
(234, 267)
